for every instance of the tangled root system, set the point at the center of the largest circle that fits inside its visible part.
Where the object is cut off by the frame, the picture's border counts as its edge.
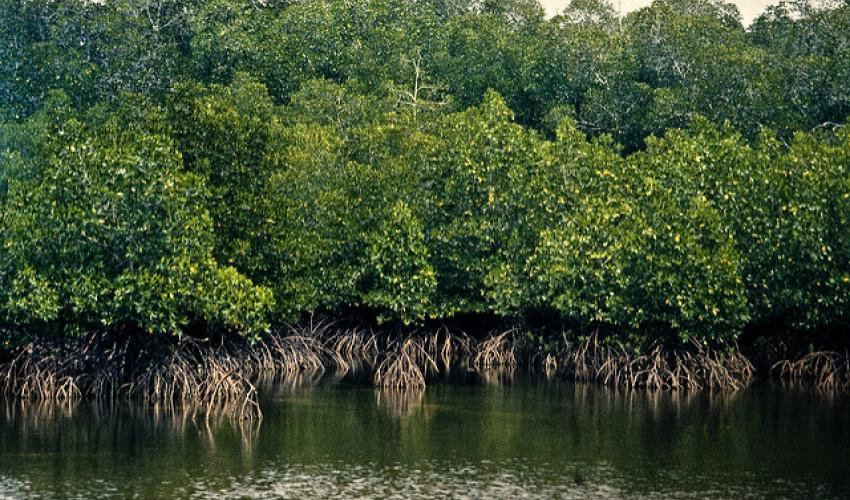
(692, 366)
(220, 378)
(499, 349)
(405, 365)
(827, 370)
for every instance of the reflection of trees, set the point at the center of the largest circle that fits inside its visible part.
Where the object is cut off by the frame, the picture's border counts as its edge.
(87, 426)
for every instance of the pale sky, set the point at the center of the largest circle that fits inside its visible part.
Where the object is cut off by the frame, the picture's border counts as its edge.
(750, 9)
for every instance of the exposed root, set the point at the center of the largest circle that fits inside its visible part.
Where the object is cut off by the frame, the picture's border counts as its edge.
(40, 374)
(206, 380)
(290, 354)
(446, 347)
(199, 377)
(499, 349)
(405, 366)
(691, 367)
(352, 348)
(827, 370)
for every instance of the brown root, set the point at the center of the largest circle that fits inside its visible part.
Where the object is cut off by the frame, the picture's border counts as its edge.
(690, 367)
(352, 348)
(405, 365)
(36, 373)
(498, 349)
(203, 379)
(828, 370)
(276, 354)
(447, 347)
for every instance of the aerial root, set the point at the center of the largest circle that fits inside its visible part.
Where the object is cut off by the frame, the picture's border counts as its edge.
(202, 379)
(351, 348)
(498, 349)
(689, 367)
(829, 371)
(206, 378)
(405, 365)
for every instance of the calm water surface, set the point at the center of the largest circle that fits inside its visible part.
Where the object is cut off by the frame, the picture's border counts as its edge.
(524, 438)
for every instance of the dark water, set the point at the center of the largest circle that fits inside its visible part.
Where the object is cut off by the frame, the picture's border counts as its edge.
(529, 438)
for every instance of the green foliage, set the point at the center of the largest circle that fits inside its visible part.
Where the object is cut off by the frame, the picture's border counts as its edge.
(231, 164)
(103, 228)
(635, 249)
(788, 209)
(478, 223)
(404, 282)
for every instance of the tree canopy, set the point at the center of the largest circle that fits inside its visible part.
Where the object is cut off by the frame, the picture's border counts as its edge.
(231, 164)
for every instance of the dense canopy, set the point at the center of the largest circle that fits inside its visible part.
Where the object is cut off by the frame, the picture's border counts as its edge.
(232, 165)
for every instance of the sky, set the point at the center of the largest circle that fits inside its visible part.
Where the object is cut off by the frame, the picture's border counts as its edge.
(750, 9)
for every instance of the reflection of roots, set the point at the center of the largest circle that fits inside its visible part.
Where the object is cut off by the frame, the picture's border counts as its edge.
(46, 417)
(399, 402)
(289, 383)
(828, 370)
(498, 376)
(36, 416)
(592, 399)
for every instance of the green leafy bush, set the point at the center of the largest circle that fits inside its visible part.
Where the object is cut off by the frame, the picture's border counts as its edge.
(423, 160)
(104, 228)
(634, 249)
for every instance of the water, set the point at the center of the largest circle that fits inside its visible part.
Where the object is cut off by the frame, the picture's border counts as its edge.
(527, 438)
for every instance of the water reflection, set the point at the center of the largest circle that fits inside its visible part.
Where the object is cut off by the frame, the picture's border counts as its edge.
(523, 436)
(401, 403)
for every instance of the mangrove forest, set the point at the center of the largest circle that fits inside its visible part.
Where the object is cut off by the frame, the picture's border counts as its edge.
(196, 195)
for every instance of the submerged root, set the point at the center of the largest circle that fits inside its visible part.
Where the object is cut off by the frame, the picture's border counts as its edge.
(827, 370)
